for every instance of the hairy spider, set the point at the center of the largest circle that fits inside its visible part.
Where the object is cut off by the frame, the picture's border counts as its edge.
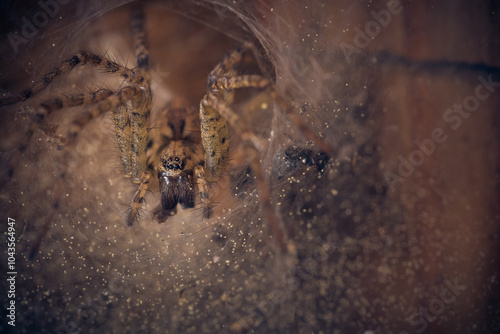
(182, 161)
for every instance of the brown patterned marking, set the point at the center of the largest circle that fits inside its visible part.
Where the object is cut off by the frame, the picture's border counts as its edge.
(213, 129)
(140, 38)
(199, 175)
(135, 204)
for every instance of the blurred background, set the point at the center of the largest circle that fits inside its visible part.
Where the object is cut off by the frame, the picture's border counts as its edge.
(398, 232)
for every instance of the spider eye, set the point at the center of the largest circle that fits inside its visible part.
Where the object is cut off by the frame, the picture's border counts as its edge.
(173, 163)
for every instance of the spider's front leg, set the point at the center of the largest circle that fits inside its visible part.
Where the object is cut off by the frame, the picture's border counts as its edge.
(135, 205)
(220, 84)
(199, 175)
(215, 146)
(214, 138)
(215, 112)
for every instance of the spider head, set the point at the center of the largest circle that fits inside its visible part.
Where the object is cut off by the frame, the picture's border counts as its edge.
(175, 177)
(174, 159)
(174, 164)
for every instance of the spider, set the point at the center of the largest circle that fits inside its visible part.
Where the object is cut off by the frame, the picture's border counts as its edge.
(182, 161)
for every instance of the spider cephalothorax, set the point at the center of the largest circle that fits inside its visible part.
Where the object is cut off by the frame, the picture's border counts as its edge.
(177, 156)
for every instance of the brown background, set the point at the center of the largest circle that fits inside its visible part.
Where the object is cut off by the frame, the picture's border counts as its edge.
(368, 258)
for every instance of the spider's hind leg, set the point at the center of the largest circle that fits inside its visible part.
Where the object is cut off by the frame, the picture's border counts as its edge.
(45, 109)
(139, 36)
(82, 58)
(135, 204)
(199, 175)
(257, 81)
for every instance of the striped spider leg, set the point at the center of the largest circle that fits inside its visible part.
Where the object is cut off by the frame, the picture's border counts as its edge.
(131, 106)
(216, 111)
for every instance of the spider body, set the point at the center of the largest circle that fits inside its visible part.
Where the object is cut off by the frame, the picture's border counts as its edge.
(175, 157)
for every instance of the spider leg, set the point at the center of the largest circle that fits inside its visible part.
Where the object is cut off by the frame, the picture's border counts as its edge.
(46, 108)
(135, 204)
(225, 66)
(214, 136)
(257, 81)
(132, 120)
(218, 80)
(131, 129)
(139, 36)
(220, 84)
(82, 58)
(243, 130)
(199, 174)
(130, 93)
(240, 81)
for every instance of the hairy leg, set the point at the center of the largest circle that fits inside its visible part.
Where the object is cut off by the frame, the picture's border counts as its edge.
(140, 38)
(220, 81)
(257, 81)
(135, 204)
(110, 103)
(82, 58)
(255, 148)
(199, 175)
(46, 108)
